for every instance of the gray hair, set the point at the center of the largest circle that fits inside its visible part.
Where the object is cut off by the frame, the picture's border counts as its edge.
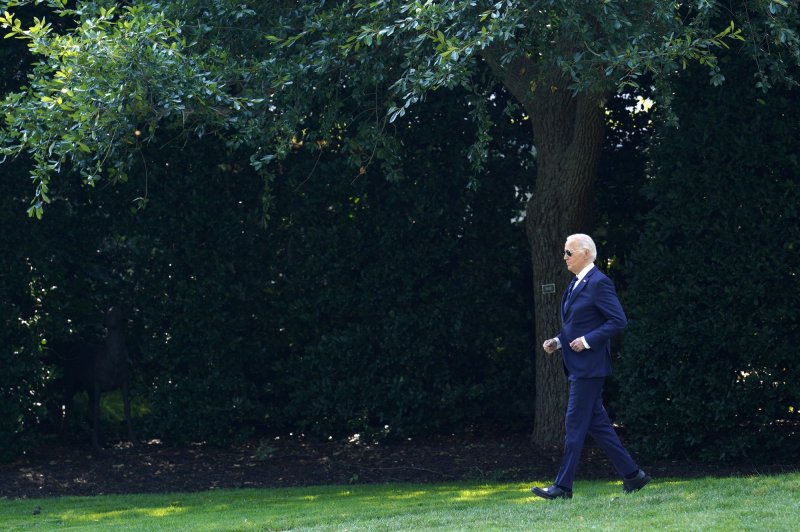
(585, 242)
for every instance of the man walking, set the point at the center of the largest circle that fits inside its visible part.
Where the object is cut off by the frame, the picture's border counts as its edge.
(590, 315)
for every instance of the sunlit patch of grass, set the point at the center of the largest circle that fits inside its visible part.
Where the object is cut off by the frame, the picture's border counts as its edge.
(409, 495)
(163, 511)
(474, 494)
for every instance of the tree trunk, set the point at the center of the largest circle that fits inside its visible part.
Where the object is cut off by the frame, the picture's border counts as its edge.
(568, 134)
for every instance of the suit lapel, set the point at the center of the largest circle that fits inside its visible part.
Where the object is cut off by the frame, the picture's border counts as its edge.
(579, 286)
(577, 289)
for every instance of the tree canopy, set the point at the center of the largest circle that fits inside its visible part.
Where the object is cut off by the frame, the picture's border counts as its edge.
(255, 74)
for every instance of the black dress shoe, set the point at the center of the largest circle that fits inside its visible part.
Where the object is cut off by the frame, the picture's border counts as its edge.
(636, 483)
(552, 492)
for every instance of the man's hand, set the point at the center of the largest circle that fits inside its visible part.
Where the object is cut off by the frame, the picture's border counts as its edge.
(577, 345)
(550, 345)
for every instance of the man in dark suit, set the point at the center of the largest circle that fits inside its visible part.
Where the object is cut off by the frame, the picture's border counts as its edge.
(590, 315)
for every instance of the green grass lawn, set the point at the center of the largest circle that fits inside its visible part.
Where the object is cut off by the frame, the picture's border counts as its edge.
(747, 503)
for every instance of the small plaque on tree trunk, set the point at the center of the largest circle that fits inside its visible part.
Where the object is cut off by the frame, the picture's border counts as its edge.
(549, 288)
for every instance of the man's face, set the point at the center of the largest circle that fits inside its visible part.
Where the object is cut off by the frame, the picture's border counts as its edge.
(575, 257)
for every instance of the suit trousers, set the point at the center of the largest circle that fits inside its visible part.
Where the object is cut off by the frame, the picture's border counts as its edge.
(586, 414)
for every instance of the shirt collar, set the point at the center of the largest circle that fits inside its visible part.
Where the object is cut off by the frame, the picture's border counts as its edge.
(583, 272)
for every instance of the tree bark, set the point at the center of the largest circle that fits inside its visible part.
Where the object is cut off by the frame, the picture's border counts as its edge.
(568, 134)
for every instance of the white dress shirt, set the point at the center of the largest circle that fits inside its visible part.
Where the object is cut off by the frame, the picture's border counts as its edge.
(580, 276)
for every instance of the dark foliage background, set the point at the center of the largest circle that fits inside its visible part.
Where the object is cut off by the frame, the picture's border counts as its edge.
(708, 367)
(365, 306)
(397, 302)
(384, 308)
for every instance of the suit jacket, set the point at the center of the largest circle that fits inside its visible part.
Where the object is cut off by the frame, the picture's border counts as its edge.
(594, 312)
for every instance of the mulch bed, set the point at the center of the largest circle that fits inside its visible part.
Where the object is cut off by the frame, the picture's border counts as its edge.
(151, 467)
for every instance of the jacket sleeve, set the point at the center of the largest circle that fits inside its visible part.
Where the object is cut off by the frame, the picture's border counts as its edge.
(607, 303)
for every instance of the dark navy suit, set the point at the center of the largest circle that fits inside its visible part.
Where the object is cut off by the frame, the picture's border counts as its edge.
(594, 312)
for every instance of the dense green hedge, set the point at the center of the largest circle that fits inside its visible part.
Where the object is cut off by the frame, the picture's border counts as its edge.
(397, 308)
(21, 379)
(709, 364)
(363, 306)
(406, 307)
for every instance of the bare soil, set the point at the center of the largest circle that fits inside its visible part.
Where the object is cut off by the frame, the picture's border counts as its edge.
(151, 467)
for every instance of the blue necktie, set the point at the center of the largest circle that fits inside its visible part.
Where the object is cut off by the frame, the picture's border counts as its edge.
(569, 290)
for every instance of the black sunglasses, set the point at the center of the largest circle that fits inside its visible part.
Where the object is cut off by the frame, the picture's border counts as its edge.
(568, 253)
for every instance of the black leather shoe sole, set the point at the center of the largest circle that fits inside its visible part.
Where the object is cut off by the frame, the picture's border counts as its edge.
(546, 494)
(635, 484)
